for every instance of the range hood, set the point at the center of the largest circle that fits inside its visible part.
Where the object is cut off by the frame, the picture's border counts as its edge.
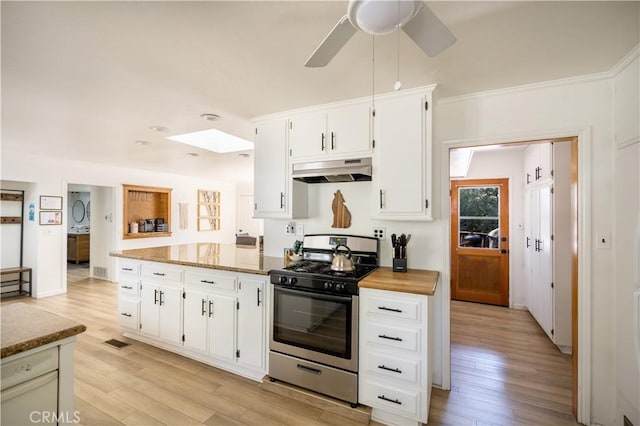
(354, 170)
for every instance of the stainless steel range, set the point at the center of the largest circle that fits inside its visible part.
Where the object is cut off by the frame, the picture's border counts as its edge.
(314, 317)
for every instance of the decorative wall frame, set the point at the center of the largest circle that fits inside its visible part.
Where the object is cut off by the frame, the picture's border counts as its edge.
(208, 210)
(50, 218)
(50, 202)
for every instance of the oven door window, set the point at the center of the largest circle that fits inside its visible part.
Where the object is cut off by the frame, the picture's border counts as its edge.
(318, 322)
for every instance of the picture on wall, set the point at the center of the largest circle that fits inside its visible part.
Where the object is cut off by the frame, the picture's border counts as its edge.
(50, 202)
(50, 218)
(208, 210)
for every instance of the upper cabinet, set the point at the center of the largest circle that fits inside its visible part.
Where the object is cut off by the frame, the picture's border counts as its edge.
(538, 163)
(336, 132)
(402, 156)
(273, 188)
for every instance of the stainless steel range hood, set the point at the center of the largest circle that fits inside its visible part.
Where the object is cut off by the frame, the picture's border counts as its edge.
(353, 170)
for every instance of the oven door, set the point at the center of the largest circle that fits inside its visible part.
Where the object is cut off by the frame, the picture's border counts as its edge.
(315, 326)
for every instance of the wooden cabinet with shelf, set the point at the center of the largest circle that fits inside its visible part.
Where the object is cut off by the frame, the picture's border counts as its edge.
(146, 202)
(78, 248)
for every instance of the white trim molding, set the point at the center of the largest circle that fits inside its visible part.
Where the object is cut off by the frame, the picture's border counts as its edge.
(584, 136)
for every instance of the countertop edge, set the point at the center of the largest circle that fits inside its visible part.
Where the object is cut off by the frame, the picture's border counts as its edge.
(42, 340)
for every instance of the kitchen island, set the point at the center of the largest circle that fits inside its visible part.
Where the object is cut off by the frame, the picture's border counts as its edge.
(37, 365)
(206, 301)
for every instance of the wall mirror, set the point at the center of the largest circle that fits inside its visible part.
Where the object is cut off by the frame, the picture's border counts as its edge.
(77, 211)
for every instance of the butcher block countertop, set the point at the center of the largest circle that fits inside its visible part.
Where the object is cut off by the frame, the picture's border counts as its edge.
(226, 257)
(25, 327)
(417, 281)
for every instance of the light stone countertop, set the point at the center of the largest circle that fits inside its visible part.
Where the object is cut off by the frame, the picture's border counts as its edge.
(25, 327)
(226, 257)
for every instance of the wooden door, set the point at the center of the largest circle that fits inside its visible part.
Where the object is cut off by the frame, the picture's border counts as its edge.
(480, 241)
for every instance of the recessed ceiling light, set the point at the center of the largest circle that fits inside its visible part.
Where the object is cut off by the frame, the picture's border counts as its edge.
(193, 154)
(143, 142)
(158, 128)
(209, 117)
(213, 140)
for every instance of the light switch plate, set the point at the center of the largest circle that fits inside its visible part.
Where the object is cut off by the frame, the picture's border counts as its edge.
(299, 230)
(291, 228)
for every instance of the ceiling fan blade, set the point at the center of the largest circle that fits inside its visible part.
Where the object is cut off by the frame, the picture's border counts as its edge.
(331, 45)
(428, 32)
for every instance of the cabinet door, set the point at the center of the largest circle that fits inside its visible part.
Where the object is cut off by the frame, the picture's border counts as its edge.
(349, 130)
(400, 153)
(195, 320)
(251, 321)
(149, 309)
(545, 260)
(270, 169)
(545, 162)
(169, 300)
(308, 136)
(530, 164)
(222, 327)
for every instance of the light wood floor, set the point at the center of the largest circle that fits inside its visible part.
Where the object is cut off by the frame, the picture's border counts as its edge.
(504, 371)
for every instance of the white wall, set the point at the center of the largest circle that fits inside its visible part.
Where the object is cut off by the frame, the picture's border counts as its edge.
(51, 177)
(558, 108)
(508, 164)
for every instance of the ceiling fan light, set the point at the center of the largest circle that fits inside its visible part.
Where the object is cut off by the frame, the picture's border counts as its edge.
(381, 17)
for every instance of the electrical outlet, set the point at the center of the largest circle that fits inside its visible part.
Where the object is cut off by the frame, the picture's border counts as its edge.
(299, 230)
(380, 233)
(291, 228)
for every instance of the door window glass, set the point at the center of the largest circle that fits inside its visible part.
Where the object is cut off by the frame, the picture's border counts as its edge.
(479, 217)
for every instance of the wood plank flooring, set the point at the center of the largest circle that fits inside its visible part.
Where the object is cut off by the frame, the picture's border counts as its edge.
(504, 371)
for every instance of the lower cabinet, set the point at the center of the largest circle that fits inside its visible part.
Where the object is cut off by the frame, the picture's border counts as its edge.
(395, 372)
(217, 317)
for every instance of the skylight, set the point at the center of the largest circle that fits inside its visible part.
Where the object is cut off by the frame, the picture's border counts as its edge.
(213, 140)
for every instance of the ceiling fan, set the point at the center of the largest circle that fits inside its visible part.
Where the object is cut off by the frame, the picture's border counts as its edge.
(381, 17)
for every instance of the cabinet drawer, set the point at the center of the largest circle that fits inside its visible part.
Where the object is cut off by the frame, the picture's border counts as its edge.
(214, 281)
(391, 366)
(160, 273)
(128, 313)
(394, 308)
(389, 398)
(129, 286)
(129, 268)
(393, 337)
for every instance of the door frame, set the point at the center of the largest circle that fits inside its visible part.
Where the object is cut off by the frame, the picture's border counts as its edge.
(583, 284)
(503, 183)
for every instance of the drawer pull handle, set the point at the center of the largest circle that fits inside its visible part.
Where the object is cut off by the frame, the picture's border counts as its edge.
(124, 314)
(384, 308)
(395, 370)
(207, 282)
(395, 401)
(128, 269)
(309, 369)
(159, 274)
(128, 287)
(384, 336)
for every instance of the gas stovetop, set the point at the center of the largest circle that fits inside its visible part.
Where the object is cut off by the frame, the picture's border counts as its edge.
(324, 269)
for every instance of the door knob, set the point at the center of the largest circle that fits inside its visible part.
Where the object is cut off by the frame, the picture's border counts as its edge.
(503, 251)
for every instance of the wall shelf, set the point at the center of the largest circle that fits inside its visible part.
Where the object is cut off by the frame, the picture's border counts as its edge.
(146, 202)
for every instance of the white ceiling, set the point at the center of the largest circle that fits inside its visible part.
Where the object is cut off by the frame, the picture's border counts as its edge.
(85, 80)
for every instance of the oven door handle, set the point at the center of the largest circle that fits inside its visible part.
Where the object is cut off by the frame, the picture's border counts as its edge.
(329, 297)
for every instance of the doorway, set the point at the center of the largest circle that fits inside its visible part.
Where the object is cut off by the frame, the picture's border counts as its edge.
(480, 241)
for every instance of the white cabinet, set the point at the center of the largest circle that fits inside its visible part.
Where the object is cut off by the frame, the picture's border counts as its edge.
(548, 246)
(538, 164)
(395, 374)
(402, 156)
(128, 294)
(275, 195)
(337, 132)
(252, 315)
(161, 311)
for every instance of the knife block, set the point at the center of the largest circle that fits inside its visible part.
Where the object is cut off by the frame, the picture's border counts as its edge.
(399, 265)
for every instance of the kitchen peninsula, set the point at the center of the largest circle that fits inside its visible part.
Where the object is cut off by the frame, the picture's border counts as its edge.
(206, 301)
(37, 365)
